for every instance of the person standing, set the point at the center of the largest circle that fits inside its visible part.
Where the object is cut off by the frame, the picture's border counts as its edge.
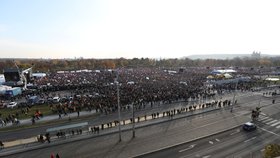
(57, 156)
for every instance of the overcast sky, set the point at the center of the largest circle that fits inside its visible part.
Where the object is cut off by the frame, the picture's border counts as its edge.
(142, 28)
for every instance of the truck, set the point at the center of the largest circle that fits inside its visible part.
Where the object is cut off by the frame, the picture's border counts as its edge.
(13, 91)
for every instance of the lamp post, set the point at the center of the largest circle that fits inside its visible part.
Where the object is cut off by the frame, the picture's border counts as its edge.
(234, 95)
(133, 121)
(119, 109)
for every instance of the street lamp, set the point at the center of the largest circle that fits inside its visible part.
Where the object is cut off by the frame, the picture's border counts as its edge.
(133, 121)
(119, 109)
(233, 100)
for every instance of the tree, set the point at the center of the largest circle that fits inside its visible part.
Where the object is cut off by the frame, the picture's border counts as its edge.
(272, 150)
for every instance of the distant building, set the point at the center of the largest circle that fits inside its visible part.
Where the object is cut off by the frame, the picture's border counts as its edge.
(256, 55)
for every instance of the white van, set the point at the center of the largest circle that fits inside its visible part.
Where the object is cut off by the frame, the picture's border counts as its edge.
(56, 99)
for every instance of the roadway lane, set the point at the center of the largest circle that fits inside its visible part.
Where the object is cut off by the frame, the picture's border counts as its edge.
(234, 143)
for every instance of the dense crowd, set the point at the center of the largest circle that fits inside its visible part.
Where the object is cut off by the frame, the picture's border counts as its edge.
(142, 87)
(139, 86)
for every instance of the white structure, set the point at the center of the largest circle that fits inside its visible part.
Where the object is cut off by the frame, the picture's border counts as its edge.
(272, 79)
(39, 75)
(223, 71)
(2, 79)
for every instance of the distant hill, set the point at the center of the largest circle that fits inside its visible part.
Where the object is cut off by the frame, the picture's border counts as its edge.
(224, 56)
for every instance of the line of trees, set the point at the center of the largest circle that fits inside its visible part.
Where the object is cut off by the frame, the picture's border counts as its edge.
(49, 65)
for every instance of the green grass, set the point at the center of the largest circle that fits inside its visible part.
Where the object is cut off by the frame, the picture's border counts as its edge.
(45, 110)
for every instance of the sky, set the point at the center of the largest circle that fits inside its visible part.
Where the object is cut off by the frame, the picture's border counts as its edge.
(137, 28)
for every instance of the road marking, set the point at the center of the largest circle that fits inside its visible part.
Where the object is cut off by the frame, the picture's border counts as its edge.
(207, 156)
(268, 123)
(278, 127)
(235, 132)
(262, 150)
(275, 124)
(197, 128)
(269, 131)
(211, 142)
(267, 120)
(190, 147)
(249, 139)
(264, 118)
(217, 140)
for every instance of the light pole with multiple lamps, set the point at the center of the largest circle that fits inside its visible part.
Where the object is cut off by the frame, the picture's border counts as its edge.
(234, 95)
(119, 109)
(133, 121)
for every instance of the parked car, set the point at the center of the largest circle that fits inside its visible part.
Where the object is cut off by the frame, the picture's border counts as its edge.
(33, 100)
(12, 105)
(249, 126)
(41, 101)
(56, 99)
(50, 100)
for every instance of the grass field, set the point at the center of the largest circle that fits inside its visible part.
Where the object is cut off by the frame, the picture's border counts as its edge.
(45, 110)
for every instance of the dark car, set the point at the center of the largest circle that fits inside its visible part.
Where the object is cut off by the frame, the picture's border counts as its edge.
(41, 101)
(50, 100)
(249, 126)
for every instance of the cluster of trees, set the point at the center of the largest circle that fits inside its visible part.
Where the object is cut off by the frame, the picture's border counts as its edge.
(272, 150)
(46, 65)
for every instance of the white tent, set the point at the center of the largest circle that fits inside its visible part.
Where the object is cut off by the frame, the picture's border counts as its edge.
(272, 79)
(223, 71)
(39, 75)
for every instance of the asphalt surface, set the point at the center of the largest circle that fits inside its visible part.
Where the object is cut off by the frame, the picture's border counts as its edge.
(234, 143)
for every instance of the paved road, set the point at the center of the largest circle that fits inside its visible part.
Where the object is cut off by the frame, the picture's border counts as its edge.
(234, 143)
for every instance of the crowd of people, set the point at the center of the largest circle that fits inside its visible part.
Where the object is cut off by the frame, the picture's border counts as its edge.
(139, 86)
(142, 87)
(97, 90)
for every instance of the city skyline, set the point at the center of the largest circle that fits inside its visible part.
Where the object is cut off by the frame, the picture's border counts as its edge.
(153, 29)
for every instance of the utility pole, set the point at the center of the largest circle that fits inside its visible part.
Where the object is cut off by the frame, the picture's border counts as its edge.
(119, 109)
(233, 100)
(133, 121)
(260, 96)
